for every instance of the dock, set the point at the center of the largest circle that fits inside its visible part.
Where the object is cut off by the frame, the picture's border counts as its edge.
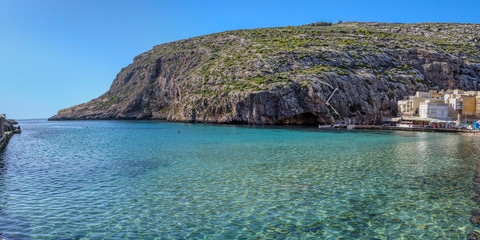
(417, 129)
(396, 128)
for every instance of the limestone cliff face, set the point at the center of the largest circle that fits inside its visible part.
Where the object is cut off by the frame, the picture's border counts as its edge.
(286, 75)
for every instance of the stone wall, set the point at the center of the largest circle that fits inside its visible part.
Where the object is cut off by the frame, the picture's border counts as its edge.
(2, 123)
(4, 140)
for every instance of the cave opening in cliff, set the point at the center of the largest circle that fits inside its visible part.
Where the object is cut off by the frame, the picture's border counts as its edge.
(307, 118)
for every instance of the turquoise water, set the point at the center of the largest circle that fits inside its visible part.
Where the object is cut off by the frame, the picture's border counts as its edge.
(144, 180)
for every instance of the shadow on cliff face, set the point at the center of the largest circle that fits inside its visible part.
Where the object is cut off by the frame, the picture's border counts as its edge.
(307, 118)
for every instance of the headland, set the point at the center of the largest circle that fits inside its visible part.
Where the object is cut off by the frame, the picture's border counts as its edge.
(312, 74)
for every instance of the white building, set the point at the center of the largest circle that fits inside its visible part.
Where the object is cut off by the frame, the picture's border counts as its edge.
(455, 106)
(433, 109)
(410, 105)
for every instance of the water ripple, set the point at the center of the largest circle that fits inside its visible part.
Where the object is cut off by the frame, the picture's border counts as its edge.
(144, 180)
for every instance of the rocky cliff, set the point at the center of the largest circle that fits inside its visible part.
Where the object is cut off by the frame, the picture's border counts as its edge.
(290, 75)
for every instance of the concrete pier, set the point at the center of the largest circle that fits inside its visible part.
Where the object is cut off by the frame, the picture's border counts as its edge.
(417, 129)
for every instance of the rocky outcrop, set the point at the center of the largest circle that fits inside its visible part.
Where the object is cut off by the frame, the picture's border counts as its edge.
(287, 75)
(9, 125)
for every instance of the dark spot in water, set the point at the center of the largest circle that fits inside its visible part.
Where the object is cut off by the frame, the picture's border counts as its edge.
(473, 235)
(475, 218)
(316, 227)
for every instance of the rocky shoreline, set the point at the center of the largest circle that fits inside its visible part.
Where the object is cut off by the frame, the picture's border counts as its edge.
(8, 129)
(348, 72)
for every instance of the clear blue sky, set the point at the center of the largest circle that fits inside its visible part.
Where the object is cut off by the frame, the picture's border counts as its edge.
(56, 54)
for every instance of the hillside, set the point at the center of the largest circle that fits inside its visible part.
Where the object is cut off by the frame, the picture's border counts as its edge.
(285, 75)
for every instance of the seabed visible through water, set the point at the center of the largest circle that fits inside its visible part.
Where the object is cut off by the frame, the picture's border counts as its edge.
(148, 180)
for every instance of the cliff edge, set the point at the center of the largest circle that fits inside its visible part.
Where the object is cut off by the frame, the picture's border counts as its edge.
(290, 75)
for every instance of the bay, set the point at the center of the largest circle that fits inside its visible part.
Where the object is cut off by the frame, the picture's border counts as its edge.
(160, 180)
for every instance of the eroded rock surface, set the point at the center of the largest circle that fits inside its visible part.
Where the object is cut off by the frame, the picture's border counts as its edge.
(286, 75)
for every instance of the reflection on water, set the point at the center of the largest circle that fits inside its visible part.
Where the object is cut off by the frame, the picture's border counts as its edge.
(144, 180)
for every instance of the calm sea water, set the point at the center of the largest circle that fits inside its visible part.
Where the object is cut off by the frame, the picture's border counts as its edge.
(144, 180)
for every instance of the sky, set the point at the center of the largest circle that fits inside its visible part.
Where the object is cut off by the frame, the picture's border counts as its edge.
(56, 54)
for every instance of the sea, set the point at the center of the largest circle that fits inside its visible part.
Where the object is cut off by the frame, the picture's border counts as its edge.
(162, 180)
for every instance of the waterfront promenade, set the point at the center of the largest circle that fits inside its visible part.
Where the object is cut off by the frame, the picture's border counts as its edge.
(418, 129)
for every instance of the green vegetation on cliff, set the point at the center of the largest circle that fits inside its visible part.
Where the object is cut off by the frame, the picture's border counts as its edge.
(284, 75)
